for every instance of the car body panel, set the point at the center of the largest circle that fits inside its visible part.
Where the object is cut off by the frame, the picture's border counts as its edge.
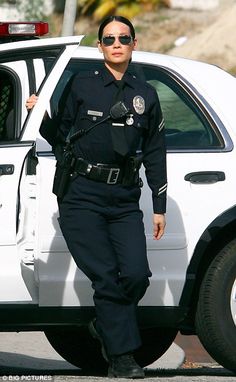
(169, 258)
(26, 45)
(48, 271)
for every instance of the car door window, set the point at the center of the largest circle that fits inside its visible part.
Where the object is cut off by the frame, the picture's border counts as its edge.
(74, 66)
(188, 125)
(6, 107)
(183, 127)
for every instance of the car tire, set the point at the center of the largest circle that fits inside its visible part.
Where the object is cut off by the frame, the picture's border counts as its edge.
(77, 346)
(216, 310)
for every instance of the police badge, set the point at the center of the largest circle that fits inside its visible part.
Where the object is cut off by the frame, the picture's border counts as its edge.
(139, 104)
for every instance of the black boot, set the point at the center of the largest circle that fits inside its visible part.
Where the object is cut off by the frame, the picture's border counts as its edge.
(124, 366)
(94, 333)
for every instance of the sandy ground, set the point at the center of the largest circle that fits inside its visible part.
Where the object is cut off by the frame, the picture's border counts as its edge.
(209, 35)
(216, 42)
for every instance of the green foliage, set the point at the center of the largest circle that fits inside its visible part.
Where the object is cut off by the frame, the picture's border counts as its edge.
(232, 70)
(89, 40)
(128, 8)
(8, 2)
(32, 10)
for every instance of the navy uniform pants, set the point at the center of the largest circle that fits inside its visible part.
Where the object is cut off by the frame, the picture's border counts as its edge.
(103, 228)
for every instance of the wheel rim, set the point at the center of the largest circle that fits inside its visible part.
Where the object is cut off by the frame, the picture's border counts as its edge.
(233, 302)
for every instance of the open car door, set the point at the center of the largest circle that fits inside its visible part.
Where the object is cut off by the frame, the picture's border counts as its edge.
(23, 64)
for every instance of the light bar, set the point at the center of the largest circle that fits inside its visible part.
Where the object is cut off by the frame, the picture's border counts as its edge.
(25, 28)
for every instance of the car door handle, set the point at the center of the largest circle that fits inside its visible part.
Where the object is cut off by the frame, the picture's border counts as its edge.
(205, 177)
(6, 169)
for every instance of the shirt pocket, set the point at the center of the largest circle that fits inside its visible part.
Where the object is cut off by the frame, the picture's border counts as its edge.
(136, 130)
(140, 122)
(88, 119)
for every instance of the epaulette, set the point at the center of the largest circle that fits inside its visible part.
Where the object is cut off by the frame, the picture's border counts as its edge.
(88, 73)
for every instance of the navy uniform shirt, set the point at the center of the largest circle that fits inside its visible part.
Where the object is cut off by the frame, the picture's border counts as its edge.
(90, 99)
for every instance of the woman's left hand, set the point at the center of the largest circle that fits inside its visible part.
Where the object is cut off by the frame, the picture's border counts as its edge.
(159, 223)
(31, 102)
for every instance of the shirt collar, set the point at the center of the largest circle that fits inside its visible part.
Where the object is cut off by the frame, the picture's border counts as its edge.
(108, 77)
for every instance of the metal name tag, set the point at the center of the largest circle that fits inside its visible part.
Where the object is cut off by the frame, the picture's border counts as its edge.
(95, 113)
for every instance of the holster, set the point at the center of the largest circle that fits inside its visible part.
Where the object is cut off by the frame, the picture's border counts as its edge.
(64, 169)
(131, 170)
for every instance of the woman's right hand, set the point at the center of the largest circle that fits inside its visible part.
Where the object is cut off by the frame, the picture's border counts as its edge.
(31, 101)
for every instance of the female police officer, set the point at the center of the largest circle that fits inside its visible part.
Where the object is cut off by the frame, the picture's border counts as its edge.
(99, 215)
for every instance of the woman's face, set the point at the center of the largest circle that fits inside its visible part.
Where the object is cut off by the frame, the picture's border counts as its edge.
(116, 53)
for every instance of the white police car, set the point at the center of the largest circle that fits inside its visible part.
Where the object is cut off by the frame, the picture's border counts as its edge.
(193, 287)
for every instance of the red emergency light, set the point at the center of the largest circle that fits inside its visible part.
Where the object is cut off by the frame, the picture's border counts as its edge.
(25, 28)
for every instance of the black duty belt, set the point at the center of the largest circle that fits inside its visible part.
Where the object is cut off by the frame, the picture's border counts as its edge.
(110, 174)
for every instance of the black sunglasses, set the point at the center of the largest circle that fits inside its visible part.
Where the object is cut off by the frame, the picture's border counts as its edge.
(109, 40)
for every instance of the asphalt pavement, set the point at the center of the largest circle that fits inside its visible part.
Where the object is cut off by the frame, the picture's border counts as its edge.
(32, 350)
(27, 356)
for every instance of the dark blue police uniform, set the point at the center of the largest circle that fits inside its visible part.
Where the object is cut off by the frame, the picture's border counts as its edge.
(99, 215)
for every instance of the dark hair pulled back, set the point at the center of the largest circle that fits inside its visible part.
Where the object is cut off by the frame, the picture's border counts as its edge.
(121, 19)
